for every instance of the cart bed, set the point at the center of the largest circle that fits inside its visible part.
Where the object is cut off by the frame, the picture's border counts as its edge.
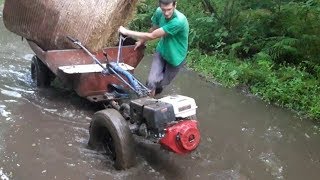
(88, 82)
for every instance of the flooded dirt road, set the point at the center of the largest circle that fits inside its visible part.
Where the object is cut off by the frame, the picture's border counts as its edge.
(44, 133)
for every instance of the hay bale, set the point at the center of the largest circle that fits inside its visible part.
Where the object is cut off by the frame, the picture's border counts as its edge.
(47, 22)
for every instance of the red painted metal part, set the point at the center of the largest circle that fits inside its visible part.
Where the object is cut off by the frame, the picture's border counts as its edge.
(87, 84)
(182, 138)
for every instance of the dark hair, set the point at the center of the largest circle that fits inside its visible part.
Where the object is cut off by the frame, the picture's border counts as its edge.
(166, 2)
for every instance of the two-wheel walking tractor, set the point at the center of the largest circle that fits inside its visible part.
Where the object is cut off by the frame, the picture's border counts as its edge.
(106, 77)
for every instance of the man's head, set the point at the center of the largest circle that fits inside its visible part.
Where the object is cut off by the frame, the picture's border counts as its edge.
(167, 7)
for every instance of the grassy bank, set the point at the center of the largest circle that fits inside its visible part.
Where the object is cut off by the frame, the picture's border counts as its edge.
(286, 86)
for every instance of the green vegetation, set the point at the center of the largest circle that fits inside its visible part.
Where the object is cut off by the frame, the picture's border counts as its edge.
(288, 86)
(271, 46)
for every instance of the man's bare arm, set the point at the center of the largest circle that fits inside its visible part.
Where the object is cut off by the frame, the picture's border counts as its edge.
(153, 28)
(150, 31)
(157, 33)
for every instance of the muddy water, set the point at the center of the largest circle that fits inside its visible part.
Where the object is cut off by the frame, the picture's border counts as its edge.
(43, 133)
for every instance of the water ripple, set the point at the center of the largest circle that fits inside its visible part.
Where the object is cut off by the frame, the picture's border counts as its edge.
(273, 133)
(248, 131)
(225, 174)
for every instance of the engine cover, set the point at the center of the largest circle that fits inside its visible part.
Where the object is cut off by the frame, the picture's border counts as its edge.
(182, 137)
(155, 114)
(183, 106)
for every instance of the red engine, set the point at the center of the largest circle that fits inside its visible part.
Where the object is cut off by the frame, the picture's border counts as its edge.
(165, 121)
(182, 137)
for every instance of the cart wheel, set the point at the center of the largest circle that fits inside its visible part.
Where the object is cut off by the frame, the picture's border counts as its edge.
(110, 132)
(40, 73)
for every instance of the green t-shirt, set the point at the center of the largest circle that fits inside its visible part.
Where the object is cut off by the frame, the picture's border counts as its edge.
(174, 46)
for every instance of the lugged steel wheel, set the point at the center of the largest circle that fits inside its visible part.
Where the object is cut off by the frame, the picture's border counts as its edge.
(110, 132)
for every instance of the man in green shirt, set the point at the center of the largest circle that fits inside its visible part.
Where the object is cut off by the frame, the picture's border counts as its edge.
(172, 28)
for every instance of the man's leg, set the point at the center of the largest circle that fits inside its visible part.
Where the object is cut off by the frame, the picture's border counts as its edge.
(156, 73)
(170, 73)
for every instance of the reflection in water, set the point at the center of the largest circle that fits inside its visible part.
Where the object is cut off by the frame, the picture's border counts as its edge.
(44, 132)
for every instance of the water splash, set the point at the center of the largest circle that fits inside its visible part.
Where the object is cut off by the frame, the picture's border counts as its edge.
(3, 176)
(50, 110)
(3, 112)
(19, 89)
(81, 140)
(10, 101)
(11, 93)
(28, 57)
(273, 164)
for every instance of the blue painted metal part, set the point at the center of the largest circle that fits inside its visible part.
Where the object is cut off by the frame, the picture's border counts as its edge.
(132, 80)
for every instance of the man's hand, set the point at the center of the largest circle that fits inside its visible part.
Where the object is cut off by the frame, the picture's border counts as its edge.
(123, 30)
(138, 44)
